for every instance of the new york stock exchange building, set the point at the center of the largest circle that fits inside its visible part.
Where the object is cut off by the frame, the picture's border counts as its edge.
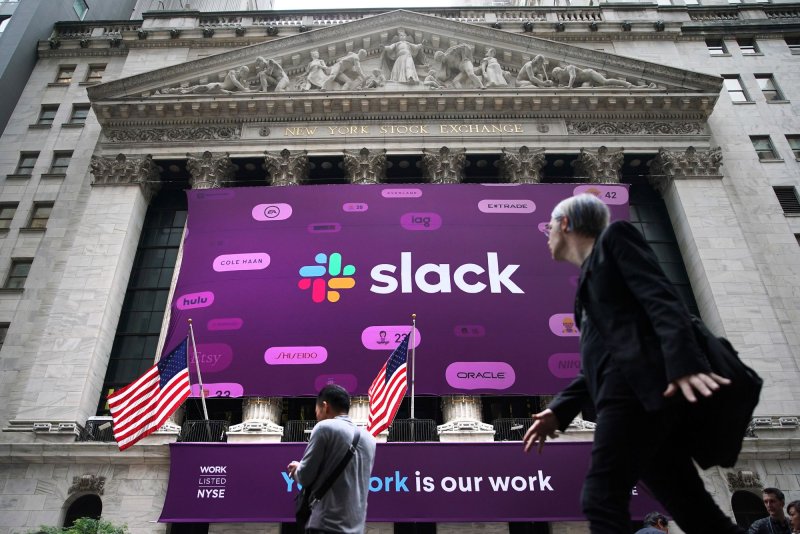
(298, 184)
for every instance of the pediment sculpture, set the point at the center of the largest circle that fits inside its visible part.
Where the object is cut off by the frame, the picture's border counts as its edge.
(403, 63)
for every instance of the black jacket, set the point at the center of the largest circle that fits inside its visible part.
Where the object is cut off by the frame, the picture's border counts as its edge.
(645, 326)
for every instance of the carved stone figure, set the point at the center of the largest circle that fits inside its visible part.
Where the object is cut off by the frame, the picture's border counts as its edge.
(286, 169)
(375, 80)
(398, 58)
(534, 73)
(493, 73)
(235, 80)
(271, 75)
(209, 171)
(365, 167)
(454, 67)
(571, 76)
(524, 167)
(444, 166)
(347, 72)
(601, 167)
(88, 484)
(316, 73)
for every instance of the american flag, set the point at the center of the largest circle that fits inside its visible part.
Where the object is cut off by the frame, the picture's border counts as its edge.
(388, 389)
(140, 408)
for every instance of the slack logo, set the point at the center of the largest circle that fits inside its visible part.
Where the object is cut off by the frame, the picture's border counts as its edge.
(322, 289)
(468, 277)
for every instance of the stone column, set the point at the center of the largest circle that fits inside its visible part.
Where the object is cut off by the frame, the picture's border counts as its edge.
(599, 167)
(463, 420)
(285, 168)
(365, 166)
(523, 166)
(61, 387)
(444, 166)
(260, 416)
(209, 171)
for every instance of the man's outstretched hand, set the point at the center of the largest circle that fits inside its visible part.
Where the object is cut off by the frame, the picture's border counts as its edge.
(704, 383)
(544, 426)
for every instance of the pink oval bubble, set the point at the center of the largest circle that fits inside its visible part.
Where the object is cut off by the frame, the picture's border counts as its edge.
(469, 330)
(355, 207)
(564, 364)
(515, 205)
(312, 355)
(217, 390)
(410, 192)
(251, 261)
(480, 375)
(609, 194)
(190, 301)
(225, 323)
(324, 228)
(387, 337)
(214, 194)
(213, 357)
(543, 227)
(563, 325)
(421, 221)
(348, 382)
(272, 212)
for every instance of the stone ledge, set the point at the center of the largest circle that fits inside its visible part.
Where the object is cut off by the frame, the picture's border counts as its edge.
(81, 452)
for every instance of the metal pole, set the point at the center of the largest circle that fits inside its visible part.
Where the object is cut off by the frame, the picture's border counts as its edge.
(413, 360)
(199, 379)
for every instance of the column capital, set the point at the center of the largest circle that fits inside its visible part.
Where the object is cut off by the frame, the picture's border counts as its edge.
(600, 166)
(445, 166)
(209, 171)
(523, 166)
(691, 162)
(285, 168)
(365, 166)
(126, 170)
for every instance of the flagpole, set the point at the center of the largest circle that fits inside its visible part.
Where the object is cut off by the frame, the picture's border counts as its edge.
(197, 366)
(413, 360)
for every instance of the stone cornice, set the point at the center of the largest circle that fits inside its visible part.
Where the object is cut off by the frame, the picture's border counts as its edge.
(431, 27)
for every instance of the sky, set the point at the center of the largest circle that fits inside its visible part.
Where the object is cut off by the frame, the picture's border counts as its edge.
(348, 4)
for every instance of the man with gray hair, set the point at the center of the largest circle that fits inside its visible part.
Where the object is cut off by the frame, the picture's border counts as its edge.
(637, 353)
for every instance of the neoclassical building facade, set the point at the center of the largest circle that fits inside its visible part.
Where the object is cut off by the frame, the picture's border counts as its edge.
(694, 106)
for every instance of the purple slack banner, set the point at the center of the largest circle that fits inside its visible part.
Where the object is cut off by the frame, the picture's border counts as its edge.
(291, 288)
(411, 482)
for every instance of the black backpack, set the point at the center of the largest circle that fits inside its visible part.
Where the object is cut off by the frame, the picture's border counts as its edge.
(718, 424)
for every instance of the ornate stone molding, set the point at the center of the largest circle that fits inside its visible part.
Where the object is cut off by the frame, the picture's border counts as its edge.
(260, 416)
(601, 166)
(444, 166)
(209, 171)
(692, 162)
(523, 166)
(126, 170)
(634, 128)
(286, 169)
(744, 480)
(88, 484)
(365, 166)
(167, 135)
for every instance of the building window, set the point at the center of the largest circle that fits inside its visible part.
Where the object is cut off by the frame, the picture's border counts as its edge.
(79, 114)
(18, 273)
(95, 73)
(40, 214)
(3, 333)
(7, 212)
(733, 84)
(794, 144)
(47, 115)
(26, 162)
(60, 162)
(716, 47)
(787, 196)
(80, 8)
(764, 147)
(768, 86)
(794, 44)
(748, 47)
(65, 74)
(4, 23)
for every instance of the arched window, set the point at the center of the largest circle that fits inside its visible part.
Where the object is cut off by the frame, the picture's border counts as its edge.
(86, 506)
(747, 507)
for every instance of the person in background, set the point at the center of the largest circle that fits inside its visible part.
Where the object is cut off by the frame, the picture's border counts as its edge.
(775, 522)
(793, 511)
(654, 523)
